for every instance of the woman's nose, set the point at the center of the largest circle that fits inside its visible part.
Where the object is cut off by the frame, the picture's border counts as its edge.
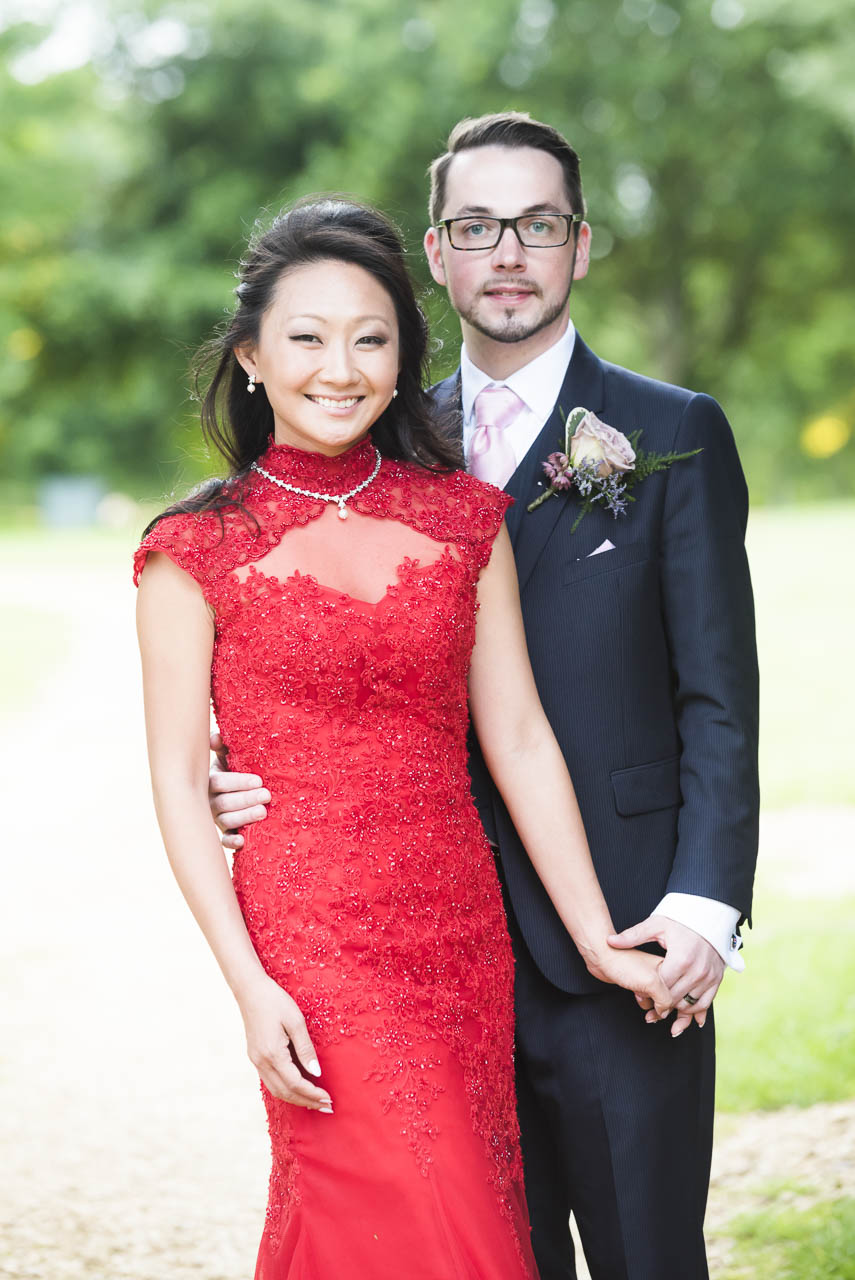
(339, 367)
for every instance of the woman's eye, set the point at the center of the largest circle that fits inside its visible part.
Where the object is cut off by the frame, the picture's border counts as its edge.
(374, 340)
(304, 337)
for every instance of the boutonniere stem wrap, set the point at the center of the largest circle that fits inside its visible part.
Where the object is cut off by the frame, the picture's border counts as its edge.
(600, 464)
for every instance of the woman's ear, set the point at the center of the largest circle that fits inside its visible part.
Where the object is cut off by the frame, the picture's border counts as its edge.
(245, 357)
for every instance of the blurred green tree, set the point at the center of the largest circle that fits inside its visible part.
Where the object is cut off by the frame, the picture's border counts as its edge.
(716, 138)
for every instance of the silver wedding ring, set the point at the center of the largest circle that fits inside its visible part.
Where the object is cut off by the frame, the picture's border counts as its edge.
(690, 999)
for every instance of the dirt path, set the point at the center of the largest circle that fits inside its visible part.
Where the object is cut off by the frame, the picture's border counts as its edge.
(132, 1140)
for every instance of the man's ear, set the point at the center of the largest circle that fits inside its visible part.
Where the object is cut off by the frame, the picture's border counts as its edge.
(432, 243)
(583, 252)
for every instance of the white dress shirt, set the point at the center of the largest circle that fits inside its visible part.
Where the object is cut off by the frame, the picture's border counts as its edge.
(538, 384)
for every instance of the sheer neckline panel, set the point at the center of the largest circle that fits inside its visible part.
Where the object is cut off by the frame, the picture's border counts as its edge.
(362, 557)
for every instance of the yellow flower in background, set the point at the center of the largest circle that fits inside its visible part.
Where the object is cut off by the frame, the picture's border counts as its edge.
(24, 344)
(825, 436)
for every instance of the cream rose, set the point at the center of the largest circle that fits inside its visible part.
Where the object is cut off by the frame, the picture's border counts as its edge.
(594, 441)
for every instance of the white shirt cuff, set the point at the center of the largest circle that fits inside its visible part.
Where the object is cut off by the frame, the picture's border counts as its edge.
(715, 921)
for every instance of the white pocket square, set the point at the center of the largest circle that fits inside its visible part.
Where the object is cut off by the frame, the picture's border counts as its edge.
(604, 546)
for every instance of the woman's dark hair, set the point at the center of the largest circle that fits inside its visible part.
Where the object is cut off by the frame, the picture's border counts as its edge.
(239, 424)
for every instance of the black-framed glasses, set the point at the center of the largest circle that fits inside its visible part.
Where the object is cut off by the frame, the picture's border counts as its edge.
(533, 230)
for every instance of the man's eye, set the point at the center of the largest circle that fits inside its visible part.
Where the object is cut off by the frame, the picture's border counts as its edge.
(540, 226)
(474, 229)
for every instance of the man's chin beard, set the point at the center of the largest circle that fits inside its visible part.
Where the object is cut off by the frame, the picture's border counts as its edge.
(515, 330)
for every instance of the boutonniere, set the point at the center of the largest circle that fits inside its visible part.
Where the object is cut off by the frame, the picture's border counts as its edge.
(601, 464)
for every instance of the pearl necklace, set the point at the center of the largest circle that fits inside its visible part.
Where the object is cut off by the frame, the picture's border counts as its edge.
(340, 498)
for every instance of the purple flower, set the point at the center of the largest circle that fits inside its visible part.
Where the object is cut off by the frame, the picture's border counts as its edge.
(554, 467)
(586, 479)
(613, 490)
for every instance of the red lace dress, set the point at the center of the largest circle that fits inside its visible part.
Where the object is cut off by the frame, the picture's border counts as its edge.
(370, 894)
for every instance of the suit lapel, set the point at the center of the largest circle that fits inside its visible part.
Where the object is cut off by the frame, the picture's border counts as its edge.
(530, 530)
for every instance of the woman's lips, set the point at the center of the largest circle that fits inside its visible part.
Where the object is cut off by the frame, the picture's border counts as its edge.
(339, 405)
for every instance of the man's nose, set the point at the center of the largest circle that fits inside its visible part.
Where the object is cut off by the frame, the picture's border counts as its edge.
(509, 253)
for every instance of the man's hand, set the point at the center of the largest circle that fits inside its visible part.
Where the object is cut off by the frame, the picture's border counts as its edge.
(692, 966)
(236, 799)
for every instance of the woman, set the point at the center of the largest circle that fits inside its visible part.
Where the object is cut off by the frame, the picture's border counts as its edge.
(326, 593)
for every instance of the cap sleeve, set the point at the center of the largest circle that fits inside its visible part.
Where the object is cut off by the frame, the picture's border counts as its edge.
(186, 539)
(487, 508)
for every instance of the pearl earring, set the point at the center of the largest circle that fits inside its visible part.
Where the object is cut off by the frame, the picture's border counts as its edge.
(250, 386)
(394, 393)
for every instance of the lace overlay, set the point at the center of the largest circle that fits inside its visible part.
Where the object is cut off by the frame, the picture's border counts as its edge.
(339, 675)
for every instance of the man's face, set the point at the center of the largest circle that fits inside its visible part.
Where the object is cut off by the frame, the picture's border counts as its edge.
(509, 293)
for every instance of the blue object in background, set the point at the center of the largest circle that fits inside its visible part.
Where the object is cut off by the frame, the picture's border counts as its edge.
(67, 502)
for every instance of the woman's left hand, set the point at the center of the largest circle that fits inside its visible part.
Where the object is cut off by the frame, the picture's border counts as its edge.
(691, 965)
(638, 972)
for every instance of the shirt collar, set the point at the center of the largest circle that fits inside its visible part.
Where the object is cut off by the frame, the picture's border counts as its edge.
(537, 383)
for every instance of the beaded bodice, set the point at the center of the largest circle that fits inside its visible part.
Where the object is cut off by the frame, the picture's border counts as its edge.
(354, 618)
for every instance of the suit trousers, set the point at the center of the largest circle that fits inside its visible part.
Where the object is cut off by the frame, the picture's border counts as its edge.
(617, 1125)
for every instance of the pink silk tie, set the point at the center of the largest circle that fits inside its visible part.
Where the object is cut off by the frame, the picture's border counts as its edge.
(491, 457)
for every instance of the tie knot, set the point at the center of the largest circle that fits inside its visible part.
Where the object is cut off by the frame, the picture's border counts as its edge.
(497, 407)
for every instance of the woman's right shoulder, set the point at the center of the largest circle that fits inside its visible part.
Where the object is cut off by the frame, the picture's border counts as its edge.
(192, 539)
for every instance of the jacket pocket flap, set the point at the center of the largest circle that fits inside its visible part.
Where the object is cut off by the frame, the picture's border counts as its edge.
(647, 787)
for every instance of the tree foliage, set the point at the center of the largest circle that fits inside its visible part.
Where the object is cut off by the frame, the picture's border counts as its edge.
(716, 136)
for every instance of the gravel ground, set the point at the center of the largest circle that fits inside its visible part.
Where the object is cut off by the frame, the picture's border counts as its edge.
(132, 1139)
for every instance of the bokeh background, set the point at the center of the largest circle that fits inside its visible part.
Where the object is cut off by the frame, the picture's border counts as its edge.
(138, 144)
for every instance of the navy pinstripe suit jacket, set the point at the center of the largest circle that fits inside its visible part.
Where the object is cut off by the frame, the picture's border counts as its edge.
(645, 661)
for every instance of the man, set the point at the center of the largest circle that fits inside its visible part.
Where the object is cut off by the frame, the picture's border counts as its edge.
(641, 637)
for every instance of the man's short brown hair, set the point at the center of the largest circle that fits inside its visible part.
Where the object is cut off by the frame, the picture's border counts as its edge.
(505, 129)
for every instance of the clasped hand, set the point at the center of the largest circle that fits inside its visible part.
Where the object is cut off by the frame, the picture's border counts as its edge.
(691, 966)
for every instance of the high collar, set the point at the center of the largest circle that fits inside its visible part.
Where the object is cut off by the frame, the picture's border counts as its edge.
(317, 471)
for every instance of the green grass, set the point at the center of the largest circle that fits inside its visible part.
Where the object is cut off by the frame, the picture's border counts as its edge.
(801, 561)
(786, 1027)
(815, 1244)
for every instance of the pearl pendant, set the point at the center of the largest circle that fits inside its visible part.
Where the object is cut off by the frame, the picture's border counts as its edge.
(342, 511)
